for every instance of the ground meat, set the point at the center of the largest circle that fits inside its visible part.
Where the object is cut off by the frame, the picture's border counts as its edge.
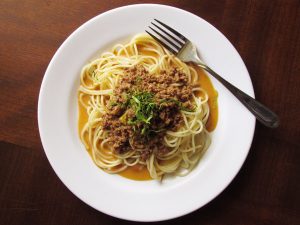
(169, 91)
(118, 134)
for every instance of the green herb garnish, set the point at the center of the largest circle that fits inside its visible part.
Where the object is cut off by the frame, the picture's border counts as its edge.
(113, 103)
(145, 109)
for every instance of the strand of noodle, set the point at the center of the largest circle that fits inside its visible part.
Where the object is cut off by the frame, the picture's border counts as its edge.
(94, 92)
(131, 164)
(81, 95)
(83, 131)
(119, 51)
(171, 143)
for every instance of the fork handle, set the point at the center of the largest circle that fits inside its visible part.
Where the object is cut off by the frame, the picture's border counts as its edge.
(261, 112)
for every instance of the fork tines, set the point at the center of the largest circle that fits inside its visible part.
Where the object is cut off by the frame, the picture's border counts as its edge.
(167, 36)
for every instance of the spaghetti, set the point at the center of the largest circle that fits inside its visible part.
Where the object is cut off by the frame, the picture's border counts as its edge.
(186, 142)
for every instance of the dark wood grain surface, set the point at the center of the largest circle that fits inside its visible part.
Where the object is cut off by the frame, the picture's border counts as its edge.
(266, 34)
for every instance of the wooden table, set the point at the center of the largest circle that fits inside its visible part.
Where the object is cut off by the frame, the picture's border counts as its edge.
(266, 34)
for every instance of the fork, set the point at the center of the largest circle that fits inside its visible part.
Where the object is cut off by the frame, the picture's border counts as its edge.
(186, 51)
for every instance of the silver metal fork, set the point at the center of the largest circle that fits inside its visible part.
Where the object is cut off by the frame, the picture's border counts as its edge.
(186, 51)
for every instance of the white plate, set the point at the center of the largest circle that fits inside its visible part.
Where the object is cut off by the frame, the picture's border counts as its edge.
(113, 194)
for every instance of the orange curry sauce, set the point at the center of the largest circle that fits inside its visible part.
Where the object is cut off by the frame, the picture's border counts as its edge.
(141, 173)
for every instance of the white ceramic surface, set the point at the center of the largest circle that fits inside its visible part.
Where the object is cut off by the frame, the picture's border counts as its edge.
(113, 194)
